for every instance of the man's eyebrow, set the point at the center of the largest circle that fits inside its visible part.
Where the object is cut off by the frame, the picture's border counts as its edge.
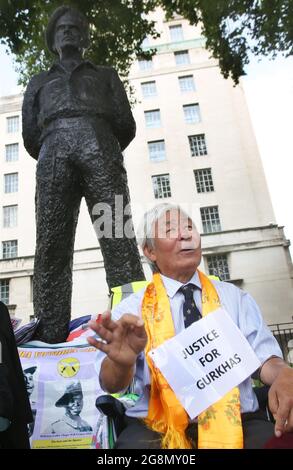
(169, 224)
(183, 219)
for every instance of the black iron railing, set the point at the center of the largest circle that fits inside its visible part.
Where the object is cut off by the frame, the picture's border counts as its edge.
(283, 333)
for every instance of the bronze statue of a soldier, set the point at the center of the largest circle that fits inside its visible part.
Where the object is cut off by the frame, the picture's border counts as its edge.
(76, 123)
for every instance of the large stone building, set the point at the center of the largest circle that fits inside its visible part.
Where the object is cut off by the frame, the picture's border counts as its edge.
(194, 146)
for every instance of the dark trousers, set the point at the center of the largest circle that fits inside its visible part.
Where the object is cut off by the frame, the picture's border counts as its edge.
(82, 160)
(256, 431)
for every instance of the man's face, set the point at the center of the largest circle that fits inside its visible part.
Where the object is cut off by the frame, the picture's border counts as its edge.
(67, 33)
(75, 404)
(29, 383)
(177, 246)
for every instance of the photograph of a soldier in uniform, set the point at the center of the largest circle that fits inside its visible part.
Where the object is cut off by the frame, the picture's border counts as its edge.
(71, 421)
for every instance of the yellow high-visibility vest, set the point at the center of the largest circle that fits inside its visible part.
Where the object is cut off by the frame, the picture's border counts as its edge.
(121, 292)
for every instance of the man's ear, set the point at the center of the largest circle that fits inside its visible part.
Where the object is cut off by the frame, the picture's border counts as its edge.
(149, 253)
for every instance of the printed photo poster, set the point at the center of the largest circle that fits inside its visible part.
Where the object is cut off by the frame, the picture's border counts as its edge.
(62, 385)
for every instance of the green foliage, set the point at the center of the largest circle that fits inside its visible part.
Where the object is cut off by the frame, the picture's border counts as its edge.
(236, 28)
(257, 383)
(117, 30)
(233, 29)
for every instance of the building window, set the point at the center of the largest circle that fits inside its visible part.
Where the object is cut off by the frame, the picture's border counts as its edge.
(218, 266)
(176, 33)
(181, 57)
(161, 185)
(157, 150)
(197, 145)
(204, 180)
(191, 113)
(153, 118)
(210, 219)
(4, 291)
(9, 249)
(11, 183)
(11, 152)
(9, 216)
(145, 64)
(12, 124)
(149, 89)
(186, 83)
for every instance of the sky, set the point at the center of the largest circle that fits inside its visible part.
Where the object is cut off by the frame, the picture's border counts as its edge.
(268, 87)
(269, 91)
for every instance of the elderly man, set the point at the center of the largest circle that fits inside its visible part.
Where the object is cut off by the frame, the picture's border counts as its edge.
(179, 294)
(76, 122)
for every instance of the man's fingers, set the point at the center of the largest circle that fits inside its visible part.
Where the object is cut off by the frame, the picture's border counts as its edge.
(103, 320)
(281, 418)
(107, 322)
(129, 320)
(102, 332)
(98, 344)
(140, 331)
(281, 413)
(135, 324)
(105, 334)
(273, 402)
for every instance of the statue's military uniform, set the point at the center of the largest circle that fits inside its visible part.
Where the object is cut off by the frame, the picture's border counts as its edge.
(76, 124)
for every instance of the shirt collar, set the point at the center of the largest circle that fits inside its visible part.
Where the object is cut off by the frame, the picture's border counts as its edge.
(58, 66)
(172, 286)
(72, 422)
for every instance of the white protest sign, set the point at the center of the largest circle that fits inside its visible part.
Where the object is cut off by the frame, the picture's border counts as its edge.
(205, 361)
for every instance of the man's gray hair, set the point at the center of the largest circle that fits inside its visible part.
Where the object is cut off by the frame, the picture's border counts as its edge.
(145, 235)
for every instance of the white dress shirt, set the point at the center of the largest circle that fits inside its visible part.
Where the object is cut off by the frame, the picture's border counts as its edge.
(238, 304)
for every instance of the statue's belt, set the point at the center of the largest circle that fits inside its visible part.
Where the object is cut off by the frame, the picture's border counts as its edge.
(78, 122)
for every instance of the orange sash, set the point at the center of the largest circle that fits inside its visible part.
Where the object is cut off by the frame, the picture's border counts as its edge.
(219, 427)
